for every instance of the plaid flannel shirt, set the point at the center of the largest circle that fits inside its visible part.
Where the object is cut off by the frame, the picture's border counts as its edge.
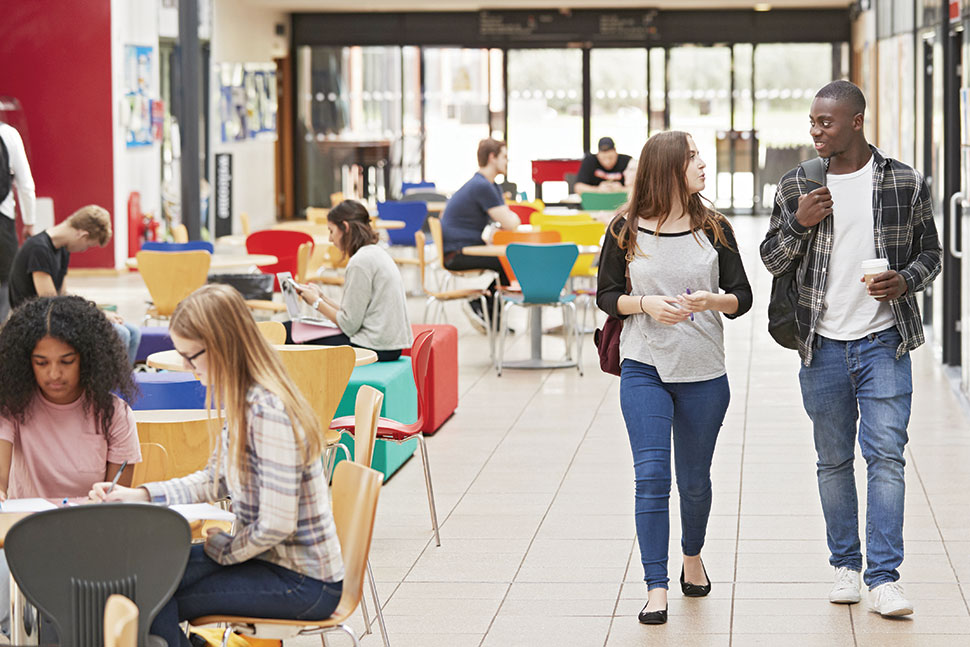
(282, 507)
(904, 233)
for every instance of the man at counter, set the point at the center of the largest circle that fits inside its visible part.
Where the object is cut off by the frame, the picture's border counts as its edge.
(470, 210)
(604, 171)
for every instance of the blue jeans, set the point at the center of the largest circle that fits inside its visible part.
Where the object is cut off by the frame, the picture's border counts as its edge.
(131, 337)
(695, 411)
(253, 588)
(850, 381)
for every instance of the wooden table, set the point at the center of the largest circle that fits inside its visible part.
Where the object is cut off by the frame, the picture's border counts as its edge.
(226, 261)
(170, 360)
(535, 314)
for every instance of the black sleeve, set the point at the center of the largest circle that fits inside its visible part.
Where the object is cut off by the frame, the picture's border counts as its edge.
(587, 170)
(611, 275)
(622, 162)
(733, 278)
(39, 258)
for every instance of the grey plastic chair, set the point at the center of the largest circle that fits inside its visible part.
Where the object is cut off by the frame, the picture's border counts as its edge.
(69, 561)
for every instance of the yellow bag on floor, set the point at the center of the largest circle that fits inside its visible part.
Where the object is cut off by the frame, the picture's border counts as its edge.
(213, 638)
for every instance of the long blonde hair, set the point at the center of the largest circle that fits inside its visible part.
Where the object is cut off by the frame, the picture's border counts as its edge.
(238, 356)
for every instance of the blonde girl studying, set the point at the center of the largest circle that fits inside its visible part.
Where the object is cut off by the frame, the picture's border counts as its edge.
(283, 561)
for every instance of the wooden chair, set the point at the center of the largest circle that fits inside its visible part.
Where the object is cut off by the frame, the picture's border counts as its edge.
(336, 198)
(355, 491)
(180, 234)
(244, 223)
(398, 432)
(322, 374)
(170, 277)
(153, 466)
(120, 622)
(434, 226)
(273, 331)
(317, 215)
(186, 442)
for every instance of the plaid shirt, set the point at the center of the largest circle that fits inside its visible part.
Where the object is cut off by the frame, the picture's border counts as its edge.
(282, 509)
(902, 215)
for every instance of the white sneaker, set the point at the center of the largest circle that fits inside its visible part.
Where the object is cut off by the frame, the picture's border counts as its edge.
(887, 600)
(475, 317)
(846, 587)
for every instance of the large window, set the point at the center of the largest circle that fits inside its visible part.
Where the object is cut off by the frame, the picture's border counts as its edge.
(545, 112)
(618, 81)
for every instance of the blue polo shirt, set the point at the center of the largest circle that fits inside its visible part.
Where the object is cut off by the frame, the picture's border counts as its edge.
(466, 214)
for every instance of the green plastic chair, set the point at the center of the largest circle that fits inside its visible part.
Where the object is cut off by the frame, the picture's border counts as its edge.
(603, 201)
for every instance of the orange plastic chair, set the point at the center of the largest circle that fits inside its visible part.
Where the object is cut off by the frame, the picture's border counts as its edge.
(503, 237)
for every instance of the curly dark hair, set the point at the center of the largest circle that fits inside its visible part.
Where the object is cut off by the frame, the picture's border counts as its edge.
(80, 324)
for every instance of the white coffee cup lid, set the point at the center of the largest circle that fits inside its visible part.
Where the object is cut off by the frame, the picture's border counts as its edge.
(875, 264)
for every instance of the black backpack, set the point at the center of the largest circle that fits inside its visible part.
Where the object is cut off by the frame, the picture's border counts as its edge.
(6, 175)
(782, 325)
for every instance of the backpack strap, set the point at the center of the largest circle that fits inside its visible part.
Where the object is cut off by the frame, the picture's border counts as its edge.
(814, 170)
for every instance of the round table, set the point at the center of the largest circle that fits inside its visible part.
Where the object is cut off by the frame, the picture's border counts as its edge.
(170, 360)
(226, 261)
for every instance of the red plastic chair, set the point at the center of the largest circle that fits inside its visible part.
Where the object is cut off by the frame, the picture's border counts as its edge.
(398, 432)
(281, 243)
(523, 211)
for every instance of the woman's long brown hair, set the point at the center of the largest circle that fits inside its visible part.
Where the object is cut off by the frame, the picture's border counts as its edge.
(661, 175)
(237, 357)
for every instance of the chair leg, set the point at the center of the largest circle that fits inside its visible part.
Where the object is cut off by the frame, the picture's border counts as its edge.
(363, 611)
(344, 628)
(501, 340)
(578, 338)
(489, 318)
(225, 635)
(427, 481)
(377, 603)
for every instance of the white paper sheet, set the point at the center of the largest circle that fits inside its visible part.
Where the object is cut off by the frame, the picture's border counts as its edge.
(202, 511)
(27, 505)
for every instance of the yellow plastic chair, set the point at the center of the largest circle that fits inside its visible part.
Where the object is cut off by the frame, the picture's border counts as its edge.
(170, 277)
(584, 234)
(120, 622)
(542, 219)
(273, 331)
(153, 466)
(355, 491)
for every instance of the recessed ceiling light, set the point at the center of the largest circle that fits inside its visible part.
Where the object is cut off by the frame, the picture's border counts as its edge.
(762, 6)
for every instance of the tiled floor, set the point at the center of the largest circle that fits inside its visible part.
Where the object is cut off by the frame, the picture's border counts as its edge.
(534, 487)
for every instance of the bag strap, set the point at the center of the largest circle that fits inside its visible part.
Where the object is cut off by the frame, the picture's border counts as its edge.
(814, 170)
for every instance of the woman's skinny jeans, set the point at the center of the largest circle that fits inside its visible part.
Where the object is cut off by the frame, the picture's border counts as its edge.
(695, 411)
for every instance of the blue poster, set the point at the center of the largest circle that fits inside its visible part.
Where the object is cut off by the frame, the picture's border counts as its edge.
(137, 103)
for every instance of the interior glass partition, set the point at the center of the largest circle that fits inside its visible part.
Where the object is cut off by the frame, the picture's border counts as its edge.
(545, 112)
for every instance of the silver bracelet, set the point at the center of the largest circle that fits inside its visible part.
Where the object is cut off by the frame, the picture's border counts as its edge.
(316, 304)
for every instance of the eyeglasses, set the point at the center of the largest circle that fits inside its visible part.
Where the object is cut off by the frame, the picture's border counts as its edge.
(190, 358)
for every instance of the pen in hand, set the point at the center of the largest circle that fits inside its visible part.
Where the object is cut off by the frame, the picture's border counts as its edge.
(115, 480)
(687, 290)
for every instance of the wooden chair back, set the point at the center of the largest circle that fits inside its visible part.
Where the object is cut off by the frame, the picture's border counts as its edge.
(172, 276)
(273, 331)
(120, 622)
(153, 466)
(303, 262)
(336, 198)
(317, 215)
(244, 223)
(188, 442)
(180, 234)
(321, 373)
(367, 413)
(419, 241)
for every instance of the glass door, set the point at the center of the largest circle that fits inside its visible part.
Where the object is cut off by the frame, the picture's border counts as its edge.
(618, 81)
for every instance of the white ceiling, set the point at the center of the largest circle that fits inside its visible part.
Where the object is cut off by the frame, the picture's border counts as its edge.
(475, 5)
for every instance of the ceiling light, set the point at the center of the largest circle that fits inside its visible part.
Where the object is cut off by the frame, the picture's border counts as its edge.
(762, 6)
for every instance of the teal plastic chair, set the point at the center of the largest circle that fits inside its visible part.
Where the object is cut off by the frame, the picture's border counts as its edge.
(544, 272)
(603, 201)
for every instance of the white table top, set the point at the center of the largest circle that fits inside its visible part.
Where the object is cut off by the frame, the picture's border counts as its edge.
(226, 261)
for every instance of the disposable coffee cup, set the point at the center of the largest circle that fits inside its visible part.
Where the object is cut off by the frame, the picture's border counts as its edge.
(873, 267)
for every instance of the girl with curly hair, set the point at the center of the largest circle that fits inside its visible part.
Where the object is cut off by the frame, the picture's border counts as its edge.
(283, 559)
(61, 424)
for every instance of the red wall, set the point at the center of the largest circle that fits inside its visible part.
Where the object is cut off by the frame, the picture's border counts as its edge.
(55, 57)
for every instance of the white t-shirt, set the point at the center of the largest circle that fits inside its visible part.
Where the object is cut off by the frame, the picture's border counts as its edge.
(23, 181)
(849, 312)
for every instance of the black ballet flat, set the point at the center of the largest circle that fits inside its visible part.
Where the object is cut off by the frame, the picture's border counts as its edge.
(652, 617)
(695, 590)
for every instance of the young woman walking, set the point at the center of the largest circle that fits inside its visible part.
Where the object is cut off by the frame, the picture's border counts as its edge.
(670, 268)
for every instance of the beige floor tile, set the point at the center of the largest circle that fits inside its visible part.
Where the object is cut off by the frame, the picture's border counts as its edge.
(516, 631)
(785, 639)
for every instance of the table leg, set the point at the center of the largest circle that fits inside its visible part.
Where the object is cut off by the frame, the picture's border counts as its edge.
(535, 340)
(19, 634)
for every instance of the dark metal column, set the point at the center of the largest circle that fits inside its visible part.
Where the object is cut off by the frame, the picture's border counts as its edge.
(587, 102)
(188, 116)
(951, 184)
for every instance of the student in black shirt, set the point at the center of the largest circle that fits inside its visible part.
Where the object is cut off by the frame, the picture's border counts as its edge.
(602, 171)
(40, 266)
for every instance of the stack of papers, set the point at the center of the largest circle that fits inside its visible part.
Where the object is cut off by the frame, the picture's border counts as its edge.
(26, 505)
(203, 512)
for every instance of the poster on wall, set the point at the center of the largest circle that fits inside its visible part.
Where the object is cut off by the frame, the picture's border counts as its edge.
(247, 101)
(137, 101)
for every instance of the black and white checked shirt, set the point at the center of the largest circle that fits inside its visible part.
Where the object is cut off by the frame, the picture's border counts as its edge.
(904, 232)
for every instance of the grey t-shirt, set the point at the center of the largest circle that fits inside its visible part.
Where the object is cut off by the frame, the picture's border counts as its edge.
(669, 264)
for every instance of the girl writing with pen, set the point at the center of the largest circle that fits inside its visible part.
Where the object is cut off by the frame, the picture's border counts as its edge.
(673, 381)
(62, 425)
(283, 559)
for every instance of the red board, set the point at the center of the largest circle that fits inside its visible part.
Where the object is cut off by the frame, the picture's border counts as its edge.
(553, 170)
(954, 10)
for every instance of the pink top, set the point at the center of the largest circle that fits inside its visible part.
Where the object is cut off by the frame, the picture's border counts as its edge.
(59, 451)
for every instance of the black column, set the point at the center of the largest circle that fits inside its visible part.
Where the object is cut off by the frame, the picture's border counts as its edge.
(951, 184)
(587, 102)
(188, 116)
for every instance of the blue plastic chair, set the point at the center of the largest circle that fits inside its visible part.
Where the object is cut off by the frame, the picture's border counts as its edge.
(542, 272)
(413, 214)
(416, 186)
(191, 246)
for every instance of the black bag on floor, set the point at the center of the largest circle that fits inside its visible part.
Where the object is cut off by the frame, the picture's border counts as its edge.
(251, 286)
(782, 325)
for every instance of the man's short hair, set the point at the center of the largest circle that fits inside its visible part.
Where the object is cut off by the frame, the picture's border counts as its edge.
(844, 92)
(95, 220)
(488, 147)
(606, 144)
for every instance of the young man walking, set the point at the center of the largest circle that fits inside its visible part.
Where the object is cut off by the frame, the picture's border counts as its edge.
(854, 337)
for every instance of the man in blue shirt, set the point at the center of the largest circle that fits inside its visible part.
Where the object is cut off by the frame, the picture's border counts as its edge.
(469, 211)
